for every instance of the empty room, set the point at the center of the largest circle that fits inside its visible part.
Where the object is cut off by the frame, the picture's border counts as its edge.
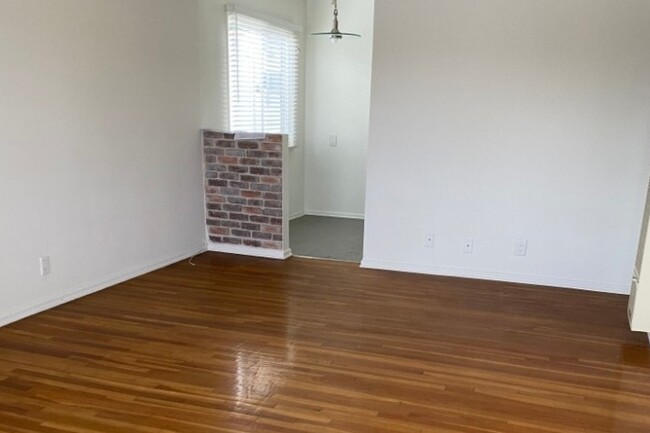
(337, 216)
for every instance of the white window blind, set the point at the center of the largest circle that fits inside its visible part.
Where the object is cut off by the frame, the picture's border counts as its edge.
(263, 63)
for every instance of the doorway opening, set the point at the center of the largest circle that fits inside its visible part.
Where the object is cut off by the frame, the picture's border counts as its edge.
(327, 180)
(327, 238)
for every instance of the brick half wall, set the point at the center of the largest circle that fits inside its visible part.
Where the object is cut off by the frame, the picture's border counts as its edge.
(244, 190)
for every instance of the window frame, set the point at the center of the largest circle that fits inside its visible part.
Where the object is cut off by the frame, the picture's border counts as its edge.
(300, 89)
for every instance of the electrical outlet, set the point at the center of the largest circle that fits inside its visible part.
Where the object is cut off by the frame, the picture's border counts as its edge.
(45, 265)
(429, 240)
(521, 247)
(469, 246)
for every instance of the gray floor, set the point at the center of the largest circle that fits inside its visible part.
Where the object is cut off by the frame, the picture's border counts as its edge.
(327, 238)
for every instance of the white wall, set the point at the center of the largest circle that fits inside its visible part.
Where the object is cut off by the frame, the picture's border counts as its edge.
(100, 164)
(507, 120)
(338, 102)
(214, 73)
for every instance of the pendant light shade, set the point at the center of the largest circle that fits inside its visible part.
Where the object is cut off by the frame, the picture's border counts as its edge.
(335, 34)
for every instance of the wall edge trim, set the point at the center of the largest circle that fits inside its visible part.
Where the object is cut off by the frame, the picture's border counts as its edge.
(348, 215)
(506, 277)
(30, 309)
(242, 250)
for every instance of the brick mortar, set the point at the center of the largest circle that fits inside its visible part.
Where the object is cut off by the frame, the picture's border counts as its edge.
(243, 189)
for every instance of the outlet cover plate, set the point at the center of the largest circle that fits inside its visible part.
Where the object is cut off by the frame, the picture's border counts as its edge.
(44, 263)
(469, 246)
(521, 247)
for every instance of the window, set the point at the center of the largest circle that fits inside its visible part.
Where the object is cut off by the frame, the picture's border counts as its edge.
(263, 65)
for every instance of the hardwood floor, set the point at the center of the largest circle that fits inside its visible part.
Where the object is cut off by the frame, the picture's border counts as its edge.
(250, 345)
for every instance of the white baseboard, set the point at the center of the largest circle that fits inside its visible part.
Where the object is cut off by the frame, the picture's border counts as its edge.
(296, 215)
(23, 311)
(594, 286)
(249, 251)
(355, 216)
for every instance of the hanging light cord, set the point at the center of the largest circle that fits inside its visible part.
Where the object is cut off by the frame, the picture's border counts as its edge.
(335, 34)
(336, 16)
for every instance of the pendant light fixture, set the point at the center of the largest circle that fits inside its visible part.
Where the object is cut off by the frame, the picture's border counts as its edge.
(335, 34)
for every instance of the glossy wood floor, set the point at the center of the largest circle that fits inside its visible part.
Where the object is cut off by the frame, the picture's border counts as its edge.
(251, 345)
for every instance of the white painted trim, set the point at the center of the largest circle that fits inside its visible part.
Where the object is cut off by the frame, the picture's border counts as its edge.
(286, 174)
(418, 268)
(297, 215)
(355, 216)
(242, 250)
(277, 22)
(30, 309)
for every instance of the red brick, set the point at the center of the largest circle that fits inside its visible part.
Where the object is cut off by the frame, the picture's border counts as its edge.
(234, 152)
(232, 207)
(238, 217)
(212, 134)
(228, 176)
(251, 194)
(260, 171)
(250, 210)
(219, 231)
(217, 214)
(270, 179)
(260, 219)
(238, 184)
(217, 182)
(256, 154)
(253, 145)
(271, 163)
(214, 198)
(271, 147)
(264, 236)
(273, 204)
(225, 143)
(276, 230)
(243, 187)
(238, 168)
(230, 191)
(236, 200)
(272, 196)
(251, 227)
(272, 212)
(241, 233)
(228, 159)
(249, 178)
(277, 138)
